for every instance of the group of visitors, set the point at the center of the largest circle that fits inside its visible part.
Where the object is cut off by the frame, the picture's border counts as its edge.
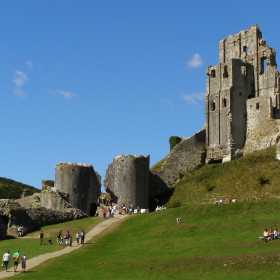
(270, 235)
(120, 209)
(68, 239)
(158, 208)
(220, 201)
(21, 231)
(17, 258)
(105, 200)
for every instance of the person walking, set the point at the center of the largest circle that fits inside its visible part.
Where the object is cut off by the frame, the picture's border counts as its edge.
(78, 238)
(16, 256)
(6, 259)
(23, 262)
(41, 235)
(82, 237)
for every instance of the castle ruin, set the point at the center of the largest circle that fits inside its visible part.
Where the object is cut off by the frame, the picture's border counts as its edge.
(242, 97)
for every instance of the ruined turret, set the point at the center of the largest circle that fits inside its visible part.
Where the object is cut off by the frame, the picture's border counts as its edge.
(127, 180)
(80, 183)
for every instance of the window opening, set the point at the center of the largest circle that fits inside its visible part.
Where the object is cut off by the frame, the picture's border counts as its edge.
(263, 65)
(245, 49)
(213, 106)
(225, 74)
(257, 106)
(224, 102)
(213, 73)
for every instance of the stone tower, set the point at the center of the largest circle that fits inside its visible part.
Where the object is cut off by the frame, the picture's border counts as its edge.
(127, 180)
(80, 183)
(242, 92)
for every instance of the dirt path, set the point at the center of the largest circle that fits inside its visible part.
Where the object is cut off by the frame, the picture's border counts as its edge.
(42, 258)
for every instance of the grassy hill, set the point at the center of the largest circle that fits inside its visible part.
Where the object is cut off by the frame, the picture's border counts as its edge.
(10, 189)
(212, 242)
(253, 177)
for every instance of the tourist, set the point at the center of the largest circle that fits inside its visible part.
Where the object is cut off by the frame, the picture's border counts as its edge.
(112, 215)
(276, 233)
(59, 237)
(6, 259)
(83, 237)
(266, 236)
(70, 241)
(271, 233)
(41, 235)
(78, 238)
(23, 262)
(66, 237)
(16, 256)
(104, 213)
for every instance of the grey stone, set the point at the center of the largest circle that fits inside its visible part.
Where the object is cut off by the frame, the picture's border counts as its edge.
(242, 101)
(127, 180)
(80, 183)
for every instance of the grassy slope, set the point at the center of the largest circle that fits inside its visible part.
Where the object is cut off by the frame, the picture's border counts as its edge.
(240, 178)
(213, 242)
(10, 189)
(30, 244)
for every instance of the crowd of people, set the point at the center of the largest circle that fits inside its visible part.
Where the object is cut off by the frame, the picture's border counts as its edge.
(17, 258)
(270, 234)
(120, 209)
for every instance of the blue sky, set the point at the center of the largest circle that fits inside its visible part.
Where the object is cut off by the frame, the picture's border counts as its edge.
(85, 81)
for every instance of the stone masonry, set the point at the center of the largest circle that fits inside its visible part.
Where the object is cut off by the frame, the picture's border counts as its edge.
(127, 180)
(242, 101)
(80, 185)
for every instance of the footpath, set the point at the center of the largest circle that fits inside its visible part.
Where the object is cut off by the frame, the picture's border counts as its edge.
(42, 258)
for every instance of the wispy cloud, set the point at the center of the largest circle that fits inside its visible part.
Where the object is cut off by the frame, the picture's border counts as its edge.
(29, 64)
(20, 78)
(168, 102)
(193, 97)
(195, 61)
(66, 94)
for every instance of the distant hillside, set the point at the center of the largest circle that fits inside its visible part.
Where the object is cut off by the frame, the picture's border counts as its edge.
(10, 189)
(252, 177)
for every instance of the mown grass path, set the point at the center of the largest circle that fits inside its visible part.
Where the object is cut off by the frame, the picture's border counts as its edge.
(44, 257)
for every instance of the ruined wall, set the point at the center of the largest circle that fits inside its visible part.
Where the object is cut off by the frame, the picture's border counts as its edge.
(30, 201)
(185, 157)
(127, 180)
(80, 182)
(262, 130)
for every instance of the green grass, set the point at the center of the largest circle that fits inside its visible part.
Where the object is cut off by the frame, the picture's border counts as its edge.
(253, 177)
(30, 244)
(212, 242)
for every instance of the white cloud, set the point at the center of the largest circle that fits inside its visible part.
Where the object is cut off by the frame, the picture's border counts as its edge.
(195, 61)
(19, 80)
(66, 94)
(19, 92)
(193, 97)
(29, 64)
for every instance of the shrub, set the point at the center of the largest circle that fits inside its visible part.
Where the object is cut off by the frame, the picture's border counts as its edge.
(262, 180)
(173, 141)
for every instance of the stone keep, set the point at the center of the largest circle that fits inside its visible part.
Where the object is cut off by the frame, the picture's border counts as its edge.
(242, 97)
(80, 183)
(127, 180)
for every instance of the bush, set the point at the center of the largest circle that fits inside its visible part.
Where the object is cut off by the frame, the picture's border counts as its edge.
(173, 141)
(262, 180)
